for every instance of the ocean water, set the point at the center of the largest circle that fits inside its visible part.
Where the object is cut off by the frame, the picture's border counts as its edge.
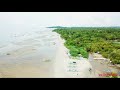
(18, 32)
(20, 38)
(27, 51)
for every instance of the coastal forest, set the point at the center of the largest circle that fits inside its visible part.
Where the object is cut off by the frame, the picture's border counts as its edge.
(84, 40)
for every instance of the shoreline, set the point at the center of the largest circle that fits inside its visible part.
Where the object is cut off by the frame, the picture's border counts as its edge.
(96, 70)
(31, 58)
(103, 67)
(63, 67)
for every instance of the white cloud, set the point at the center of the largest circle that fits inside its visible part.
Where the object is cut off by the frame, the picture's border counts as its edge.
(60, 18)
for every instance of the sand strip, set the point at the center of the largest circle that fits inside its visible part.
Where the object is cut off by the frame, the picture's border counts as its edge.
(82, 69)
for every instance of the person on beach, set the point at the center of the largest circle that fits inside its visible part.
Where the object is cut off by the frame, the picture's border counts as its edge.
(90, 70)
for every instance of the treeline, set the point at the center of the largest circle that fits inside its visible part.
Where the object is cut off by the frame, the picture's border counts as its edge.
(85, 40)
(56, 27)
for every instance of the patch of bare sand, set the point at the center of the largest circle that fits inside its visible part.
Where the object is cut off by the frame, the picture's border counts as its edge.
(101, 65)
(26, 67)
(27, 71)
(29, 61)
(62, 69)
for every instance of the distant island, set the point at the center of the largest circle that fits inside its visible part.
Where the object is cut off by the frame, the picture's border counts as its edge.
(56, 27)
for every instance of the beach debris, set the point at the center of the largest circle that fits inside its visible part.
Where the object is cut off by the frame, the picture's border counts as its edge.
(8, 54)
(101, 62)
(110, 61)
(74, 62)
(117, 65)
(47, 60)
(107, 70)
(72, 70)
(54, 43)
(72, 67)
(33, 49)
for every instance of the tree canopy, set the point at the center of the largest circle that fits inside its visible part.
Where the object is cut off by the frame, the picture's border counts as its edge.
(85, 40)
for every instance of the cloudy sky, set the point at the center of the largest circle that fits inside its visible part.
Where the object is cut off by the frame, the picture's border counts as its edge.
(60, 18)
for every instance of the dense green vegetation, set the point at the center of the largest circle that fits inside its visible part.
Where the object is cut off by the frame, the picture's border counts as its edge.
(85, 40)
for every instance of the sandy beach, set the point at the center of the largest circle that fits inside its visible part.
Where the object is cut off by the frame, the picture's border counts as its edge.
(31, 45)
(43, 55)
(65, 67)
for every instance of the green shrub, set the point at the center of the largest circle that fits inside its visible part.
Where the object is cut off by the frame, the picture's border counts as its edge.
(84, 40)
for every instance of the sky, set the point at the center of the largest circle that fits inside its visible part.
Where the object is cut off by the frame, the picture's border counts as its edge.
(46, 19)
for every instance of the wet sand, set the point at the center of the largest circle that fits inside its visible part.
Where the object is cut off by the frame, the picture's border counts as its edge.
(65, 68)
(43, 56)
(32, 57)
